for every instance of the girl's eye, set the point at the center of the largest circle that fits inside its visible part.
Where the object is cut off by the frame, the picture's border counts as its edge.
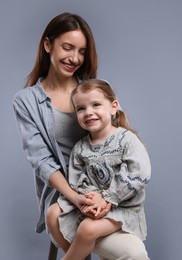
(96, 104)
(79, 109)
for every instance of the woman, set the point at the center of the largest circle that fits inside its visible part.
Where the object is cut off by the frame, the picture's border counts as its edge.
(49, 129)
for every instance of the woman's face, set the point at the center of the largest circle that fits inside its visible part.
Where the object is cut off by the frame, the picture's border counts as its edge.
(66, 53)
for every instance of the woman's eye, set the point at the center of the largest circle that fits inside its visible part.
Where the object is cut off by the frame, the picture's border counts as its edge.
(66, 47)
(83, 51)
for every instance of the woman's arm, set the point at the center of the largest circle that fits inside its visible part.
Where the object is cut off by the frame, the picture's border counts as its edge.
(34, 134)
(38, 147)
(59, 182)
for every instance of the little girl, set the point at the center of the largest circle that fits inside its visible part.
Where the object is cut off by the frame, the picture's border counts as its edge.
(109, 165)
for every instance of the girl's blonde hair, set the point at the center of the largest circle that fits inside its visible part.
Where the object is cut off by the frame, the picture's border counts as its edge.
(120, 118)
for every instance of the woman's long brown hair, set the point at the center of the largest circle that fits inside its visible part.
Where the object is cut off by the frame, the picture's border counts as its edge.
(59, 25)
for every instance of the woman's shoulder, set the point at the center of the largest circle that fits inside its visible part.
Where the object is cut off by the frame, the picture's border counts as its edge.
(30, 94)
(23, 93)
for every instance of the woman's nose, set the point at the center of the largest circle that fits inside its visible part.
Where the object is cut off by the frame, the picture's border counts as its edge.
(74, 57)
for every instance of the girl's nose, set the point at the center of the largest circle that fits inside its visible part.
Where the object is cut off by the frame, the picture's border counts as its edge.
(88, 111)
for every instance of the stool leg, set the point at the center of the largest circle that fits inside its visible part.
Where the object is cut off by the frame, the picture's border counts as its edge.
(52, 252)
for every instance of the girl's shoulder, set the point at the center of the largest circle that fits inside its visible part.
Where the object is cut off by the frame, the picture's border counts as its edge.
(126, 135)
(81, 144)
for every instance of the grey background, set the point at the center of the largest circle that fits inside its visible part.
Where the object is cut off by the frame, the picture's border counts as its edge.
(139, 45)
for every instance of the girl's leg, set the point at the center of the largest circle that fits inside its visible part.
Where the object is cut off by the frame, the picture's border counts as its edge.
(53, 213)
(87, 233)
(121, 246)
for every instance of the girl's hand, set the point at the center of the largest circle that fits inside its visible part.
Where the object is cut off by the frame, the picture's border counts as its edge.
(100, 207)
(94, 210)
(104, 211)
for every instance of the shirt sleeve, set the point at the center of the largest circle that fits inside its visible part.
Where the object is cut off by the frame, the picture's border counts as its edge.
(133, 175)
(35, 141)
(78, 178)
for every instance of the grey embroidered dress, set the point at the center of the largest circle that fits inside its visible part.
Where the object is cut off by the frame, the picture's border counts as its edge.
(118, 168)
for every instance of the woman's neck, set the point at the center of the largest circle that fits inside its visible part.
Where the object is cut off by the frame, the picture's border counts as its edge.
(64, 85)
(59, 91)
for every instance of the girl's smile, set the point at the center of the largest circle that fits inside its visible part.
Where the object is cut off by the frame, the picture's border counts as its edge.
(94, 112)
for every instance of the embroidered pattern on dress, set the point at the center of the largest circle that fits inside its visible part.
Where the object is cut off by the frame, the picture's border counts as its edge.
(101, 148)
(102, 173)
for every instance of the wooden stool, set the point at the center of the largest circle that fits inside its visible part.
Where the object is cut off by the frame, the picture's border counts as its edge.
(53, 251)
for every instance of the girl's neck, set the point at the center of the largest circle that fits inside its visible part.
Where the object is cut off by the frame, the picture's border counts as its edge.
(99, 137)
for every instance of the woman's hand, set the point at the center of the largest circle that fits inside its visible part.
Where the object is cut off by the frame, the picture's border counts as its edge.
(97, 210)
(81, 201)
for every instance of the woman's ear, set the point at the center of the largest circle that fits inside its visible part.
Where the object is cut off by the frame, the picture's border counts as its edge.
(114, 107)
(47, 45)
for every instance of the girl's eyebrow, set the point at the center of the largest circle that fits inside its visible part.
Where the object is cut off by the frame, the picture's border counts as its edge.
(77, 106)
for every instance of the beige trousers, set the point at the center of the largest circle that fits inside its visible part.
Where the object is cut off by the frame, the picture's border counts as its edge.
(121, 246)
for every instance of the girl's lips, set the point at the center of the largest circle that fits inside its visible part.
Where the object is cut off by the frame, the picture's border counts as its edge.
(90, 121)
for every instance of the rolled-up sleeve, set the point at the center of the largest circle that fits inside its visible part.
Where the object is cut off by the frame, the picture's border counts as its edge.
(36, 143)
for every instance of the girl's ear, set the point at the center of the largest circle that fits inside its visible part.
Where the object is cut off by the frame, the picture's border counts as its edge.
(114, 107)
(47, 45)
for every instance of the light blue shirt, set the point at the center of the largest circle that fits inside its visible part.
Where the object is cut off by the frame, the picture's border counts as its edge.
(35, 120)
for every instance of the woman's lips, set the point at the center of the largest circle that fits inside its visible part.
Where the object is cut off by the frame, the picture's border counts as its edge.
(69, 67)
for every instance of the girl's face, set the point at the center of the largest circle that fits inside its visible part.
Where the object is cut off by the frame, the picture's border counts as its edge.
(94, 112)
(66, 53)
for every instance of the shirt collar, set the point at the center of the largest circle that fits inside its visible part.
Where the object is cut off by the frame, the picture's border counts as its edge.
(42, 96)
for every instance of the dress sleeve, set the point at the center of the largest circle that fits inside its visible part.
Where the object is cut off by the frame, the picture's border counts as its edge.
(78, 178)
(133, 175)
(35, 142)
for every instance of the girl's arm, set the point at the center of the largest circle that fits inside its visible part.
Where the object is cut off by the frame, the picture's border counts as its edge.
(134, 173)
(78, 177)
(79, 180)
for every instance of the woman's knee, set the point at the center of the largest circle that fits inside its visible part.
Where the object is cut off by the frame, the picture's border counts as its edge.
(52, 215)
